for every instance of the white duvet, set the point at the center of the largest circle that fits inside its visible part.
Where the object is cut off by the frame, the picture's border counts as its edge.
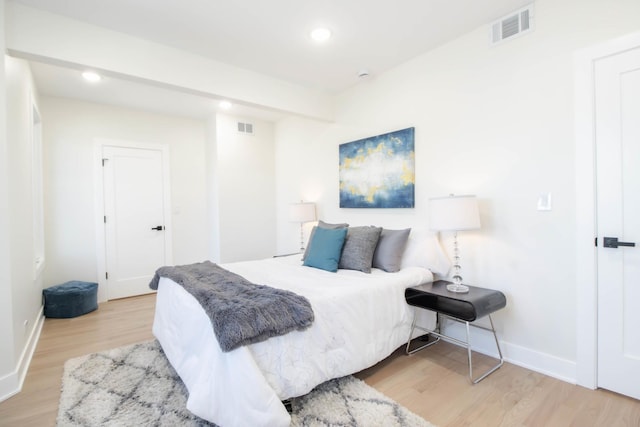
(359, 320)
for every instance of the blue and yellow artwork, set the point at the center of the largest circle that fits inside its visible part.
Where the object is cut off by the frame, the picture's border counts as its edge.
(378, 172)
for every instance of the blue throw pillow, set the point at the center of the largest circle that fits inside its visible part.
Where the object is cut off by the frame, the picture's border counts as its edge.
(321, 224)
(325, 249)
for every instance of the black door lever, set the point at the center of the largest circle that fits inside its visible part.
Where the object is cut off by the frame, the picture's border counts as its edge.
(159, 228)
(612, 242)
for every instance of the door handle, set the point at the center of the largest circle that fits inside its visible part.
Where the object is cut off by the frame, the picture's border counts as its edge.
(159, 228)
(612, 242)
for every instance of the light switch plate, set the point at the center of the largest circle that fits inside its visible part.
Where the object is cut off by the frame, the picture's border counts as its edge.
(544, 202)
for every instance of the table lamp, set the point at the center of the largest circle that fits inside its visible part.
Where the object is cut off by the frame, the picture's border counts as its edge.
(454, 213)
(302, 212)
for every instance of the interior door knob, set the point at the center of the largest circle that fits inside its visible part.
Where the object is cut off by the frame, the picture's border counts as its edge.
(613, 242)
(159, 228)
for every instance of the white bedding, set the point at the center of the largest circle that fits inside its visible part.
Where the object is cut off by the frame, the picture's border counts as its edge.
(359, 320)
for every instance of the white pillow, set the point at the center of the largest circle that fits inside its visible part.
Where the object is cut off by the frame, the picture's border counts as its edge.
(424, 250)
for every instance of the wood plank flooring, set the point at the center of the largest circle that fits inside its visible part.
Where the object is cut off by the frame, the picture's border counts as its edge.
(114, 324)
(432, 383)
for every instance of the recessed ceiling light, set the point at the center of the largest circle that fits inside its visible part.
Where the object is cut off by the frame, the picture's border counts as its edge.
(225, 105)
(321, 34)
(91, 76)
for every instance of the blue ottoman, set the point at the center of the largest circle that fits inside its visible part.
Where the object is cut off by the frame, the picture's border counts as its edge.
(70, 299)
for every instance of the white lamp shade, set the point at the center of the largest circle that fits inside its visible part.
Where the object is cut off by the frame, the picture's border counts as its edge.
(454, 213)
(302, 212)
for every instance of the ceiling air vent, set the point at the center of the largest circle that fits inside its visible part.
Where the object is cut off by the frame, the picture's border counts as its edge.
(245, 127)
(512, 25)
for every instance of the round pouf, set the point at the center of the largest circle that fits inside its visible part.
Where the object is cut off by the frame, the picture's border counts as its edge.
(70, 299)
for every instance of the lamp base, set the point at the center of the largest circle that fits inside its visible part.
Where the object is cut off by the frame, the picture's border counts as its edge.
(457, 288)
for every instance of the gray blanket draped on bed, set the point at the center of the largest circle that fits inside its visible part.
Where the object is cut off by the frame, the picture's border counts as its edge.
(241, 312)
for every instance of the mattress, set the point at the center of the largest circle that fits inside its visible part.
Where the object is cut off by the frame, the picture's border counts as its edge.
(359, 320)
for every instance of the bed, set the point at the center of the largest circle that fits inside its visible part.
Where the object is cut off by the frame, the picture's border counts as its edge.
(359, 320)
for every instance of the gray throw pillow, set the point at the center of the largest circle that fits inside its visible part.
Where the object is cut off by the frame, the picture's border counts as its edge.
(388, 253)
(357, 253)
(321, 224)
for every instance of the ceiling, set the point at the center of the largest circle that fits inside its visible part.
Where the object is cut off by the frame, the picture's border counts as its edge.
(271, 37)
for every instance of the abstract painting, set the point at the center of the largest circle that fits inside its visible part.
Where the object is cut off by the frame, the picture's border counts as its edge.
(378, 172)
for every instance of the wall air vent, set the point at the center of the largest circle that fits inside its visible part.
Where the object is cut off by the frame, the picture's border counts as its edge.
(245, 128)
(513, 25)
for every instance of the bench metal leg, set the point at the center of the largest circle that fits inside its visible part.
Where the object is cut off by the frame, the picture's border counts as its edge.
(467, 344)
(496, 367)
(414, 327)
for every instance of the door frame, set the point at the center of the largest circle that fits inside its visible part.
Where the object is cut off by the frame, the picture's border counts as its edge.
(101, 248)
(586, 220)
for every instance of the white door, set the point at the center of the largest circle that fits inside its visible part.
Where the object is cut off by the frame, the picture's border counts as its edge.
(617, 118)
(136, 219)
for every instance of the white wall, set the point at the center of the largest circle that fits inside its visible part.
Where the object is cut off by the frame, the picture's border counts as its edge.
(69, 129)
(6, 319)
(245, 181)
(493, 121)
(21, 320)
(213, 220)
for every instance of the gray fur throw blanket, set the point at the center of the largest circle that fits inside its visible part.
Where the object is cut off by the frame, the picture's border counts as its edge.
(241, 312)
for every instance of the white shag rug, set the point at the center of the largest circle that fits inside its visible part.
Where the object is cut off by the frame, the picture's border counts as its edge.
(136, 386)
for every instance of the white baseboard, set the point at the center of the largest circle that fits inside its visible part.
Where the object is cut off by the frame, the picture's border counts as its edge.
(544, 363)
(11, 384)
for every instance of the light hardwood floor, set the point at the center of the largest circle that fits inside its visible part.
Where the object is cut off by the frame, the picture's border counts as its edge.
(432, 383)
